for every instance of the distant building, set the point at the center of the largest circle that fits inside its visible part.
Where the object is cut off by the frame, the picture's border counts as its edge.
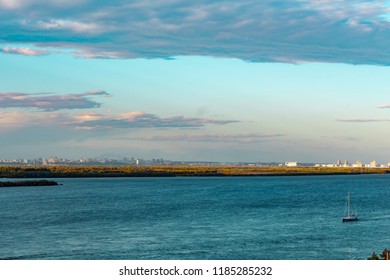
(373, 164)
(346, 164)
(291, 164)
(357, 164)
(52, 160)
(338, 163)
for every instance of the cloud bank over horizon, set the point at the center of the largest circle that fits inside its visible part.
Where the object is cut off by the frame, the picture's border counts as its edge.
(50, 102)
(246, 138)
(292, 31)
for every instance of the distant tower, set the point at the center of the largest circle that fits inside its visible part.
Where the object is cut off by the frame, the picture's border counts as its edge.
(345, 163)
(339, 163)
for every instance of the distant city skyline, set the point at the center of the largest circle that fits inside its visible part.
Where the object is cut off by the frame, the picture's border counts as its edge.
(128, 160)
(250, 81)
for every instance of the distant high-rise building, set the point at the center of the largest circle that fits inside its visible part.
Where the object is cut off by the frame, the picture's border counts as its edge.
(373, 163)
(345, 163)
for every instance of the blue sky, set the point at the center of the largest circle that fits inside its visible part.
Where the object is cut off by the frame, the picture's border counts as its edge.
(205, 80)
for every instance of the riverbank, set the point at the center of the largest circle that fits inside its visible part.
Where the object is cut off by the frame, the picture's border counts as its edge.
(174, 171)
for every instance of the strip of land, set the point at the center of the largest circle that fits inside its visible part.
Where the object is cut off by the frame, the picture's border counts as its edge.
(172, 171)
(27, 183)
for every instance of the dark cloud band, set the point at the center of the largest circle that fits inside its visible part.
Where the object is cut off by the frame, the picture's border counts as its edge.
(281, 31)
(144, 120)
(50, 102)
(224, 138)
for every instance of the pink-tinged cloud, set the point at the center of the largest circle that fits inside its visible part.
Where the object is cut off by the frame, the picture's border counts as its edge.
(13, 120)
(24, 51)
(50, 102)
(94, 121)
(384, 106)
(11, 4)
(141, 120)
(23, 4)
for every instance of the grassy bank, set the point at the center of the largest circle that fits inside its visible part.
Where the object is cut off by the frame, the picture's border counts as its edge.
(164, 171)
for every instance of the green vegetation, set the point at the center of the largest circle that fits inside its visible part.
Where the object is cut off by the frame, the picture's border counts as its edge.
(382, 256)
(57, 171)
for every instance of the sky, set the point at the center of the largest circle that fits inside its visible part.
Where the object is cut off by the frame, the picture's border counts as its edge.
(252, 81)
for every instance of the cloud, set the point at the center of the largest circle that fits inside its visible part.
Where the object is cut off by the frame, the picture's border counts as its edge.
(342, 138)
(24, 51)
(21, 4)
(14, 120)
(74, 26)
(358, 120)
(11, 4)
(91, 121)
(50, 102)
(385, 106)
(226, 138)
(344, 31)
(347, 138)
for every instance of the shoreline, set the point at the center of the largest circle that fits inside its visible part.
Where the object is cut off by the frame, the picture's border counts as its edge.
(177, 171)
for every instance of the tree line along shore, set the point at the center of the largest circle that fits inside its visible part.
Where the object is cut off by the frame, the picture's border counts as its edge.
(59, 171)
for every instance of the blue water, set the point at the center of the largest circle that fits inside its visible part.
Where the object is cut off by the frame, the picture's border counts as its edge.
(196, 218)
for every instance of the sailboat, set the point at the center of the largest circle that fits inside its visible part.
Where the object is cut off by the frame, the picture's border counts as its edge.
(350, 216)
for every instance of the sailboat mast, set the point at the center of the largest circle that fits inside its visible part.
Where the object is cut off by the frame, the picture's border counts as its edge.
(348, 215)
